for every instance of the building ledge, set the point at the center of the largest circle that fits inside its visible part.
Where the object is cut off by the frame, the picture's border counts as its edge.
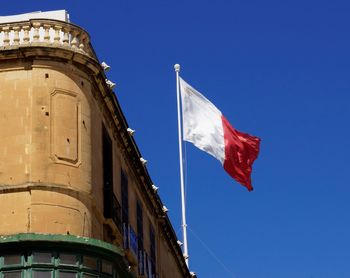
(54, 239)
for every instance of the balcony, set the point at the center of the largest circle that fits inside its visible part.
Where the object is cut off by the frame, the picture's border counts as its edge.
(112, 208)
(45, 33)
(130, 243)
(146, 266)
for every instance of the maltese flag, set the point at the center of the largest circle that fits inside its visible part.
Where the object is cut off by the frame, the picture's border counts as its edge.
(206, 127)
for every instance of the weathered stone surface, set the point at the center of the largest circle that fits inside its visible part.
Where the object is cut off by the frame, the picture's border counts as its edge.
(54, 105)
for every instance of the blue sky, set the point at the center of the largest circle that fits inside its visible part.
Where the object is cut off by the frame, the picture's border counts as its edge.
(276, 69)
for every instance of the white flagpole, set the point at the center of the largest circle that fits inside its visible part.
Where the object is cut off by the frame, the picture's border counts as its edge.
(184, 225)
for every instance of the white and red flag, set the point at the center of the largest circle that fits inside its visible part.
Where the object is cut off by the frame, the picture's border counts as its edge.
(206, 127)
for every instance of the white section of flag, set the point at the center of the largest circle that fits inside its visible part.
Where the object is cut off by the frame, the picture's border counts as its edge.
(202, 122)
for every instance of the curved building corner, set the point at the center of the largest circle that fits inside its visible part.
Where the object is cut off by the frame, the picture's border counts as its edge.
(75, 199)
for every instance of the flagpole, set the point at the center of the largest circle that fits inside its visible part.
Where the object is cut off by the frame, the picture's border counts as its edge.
(183, 206)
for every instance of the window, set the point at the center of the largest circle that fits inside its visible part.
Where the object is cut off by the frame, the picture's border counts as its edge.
(125, 197)
(41, 273)
(57, 264)
(107, 159)
(42, 258)
(139, 223)
(111, 208)
(12, 259)
(107, 267)
(12, 274)
(90, 262)
(68, 259)
(153, 249)
(107, 153)
(125, 208)
(140, 256)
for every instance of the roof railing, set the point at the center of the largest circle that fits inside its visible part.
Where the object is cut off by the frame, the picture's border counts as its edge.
(46, 33)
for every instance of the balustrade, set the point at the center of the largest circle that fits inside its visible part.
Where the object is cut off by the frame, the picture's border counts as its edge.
(45, 32)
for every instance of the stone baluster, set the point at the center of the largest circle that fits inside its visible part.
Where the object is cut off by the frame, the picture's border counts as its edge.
(82, 42)
(16, 30)
(47, 33)
(65, 36)
(36, 35)
(6, 31)
(87, 45)
(26, 37)
(57, 37)
(74, 42)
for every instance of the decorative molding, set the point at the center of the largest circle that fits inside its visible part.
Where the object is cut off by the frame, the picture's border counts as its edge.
(65, 136)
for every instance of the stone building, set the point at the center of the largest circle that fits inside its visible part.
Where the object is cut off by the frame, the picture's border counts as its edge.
(75, 197)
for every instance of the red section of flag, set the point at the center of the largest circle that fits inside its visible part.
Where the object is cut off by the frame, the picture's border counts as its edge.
(241, 150)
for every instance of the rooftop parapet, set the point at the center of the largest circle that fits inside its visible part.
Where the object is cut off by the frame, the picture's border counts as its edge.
(45, 33)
